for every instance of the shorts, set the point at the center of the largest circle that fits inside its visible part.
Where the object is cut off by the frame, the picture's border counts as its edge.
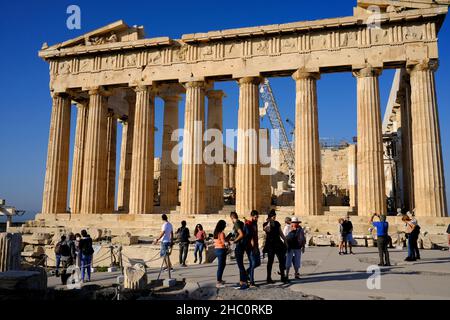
(165, 249)
(349, 238)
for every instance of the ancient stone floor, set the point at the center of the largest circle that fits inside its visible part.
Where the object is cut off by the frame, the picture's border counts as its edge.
(324, 274)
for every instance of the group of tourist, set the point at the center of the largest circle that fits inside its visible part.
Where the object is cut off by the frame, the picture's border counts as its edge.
(74, 249)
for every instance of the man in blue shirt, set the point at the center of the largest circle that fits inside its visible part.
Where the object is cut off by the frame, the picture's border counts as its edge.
(382, 227)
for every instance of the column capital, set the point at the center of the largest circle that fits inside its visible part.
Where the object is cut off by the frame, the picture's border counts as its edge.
(252, 80)
(304, 73)
(59, 94)
(367, 72)
(170, 97)
(98, 90)
(195, 84)
(424, 65)
(218, 94)
(143, 88)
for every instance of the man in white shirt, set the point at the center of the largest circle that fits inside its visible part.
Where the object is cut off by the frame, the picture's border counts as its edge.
(166, 237)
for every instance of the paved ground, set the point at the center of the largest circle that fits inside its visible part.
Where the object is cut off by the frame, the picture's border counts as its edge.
(324, 274)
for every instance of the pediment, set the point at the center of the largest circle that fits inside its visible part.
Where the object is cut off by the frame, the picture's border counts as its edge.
(117, 31)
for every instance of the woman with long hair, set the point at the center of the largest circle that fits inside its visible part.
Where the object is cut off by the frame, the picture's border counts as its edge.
(221, 251)
(200, 236)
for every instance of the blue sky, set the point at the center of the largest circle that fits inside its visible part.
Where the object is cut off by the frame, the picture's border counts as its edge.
(25, 105)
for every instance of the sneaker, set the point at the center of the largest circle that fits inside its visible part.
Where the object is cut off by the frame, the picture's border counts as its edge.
(244, 287)
(381, 264)
(253, 285)
(387, 265)
(184, 265)
(297, 276)
(270, 281)
(220, 285)
(195, 260)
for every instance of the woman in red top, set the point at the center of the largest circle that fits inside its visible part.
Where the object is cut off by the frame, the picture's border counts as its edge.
(200, 236)
(220, 250)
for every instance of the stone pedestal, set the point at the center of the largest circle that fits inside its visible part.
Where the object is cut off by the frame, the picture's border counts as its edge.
(429, 181)
(169, 168)
(135, 277)
(141, 185)
(248, 168)
(214, 171)
(10, 250)
(95, 157)
(371, 184)
(57, 170)
(76, 189)
(193, 180)
(111, 138)
(126, 148)
(308, 177)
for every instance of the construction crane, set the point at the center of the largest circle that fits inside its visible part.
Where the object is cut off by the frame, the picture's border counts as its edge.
(270, 108)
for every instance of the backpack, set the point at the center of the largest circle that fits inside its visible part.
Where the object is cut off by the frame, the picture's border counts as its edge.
(183, 234)
(62, 249)
(86, 247)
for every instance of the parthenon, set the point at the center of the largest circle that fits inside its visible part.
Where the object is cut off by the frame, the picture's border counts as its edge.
(114, 74)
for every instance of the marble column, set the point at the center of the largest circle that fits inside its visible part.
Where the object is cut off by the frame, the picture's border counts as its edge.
(169, 168)
(225, 175)
(76, 189)
(308, 175)
(266, 190)
(193, 181)
(95, 156)
(429, 181)
(111, 141)
(57, 170)
(126, 154)
(370, 166)
(248, 168)
(352, 176)
(232, 176)
(142, 167)
(214, 171)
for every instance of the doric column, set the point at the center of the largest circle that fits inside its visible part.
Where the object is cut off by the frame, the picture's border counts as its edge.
(57, 170)
(193, 181)
(214, 171)
(111, 141)
(429, 182)
(95, 156)
(248, 169)
(265, 187)
(352, 176)
(169, 168)
(232, 176)
(370, 166)
(76, 189)
(308, 175)
(225, 174)
(141, 185)
(126, 154)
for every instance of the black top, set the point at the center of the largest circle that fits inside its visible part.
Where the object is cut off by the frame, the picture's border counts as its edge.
(86, 246)
(448, 229)
(239, 225)
(183, 234)
(347, 227)
(273, 237)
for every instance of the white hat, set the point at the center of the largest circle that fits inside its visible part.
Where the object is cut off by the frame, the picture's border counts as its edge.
(295, 220)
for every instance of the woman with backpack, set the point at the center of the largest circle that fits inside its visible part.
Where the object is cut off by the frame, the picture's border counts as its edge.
(200, 237)
(296, 246)
(86, 251)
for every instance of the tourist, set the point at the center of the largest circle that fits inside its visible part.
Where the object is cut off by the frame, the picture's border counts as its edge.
(341, 235)
(239, 241)
(296, 246)
(382, 227)
(67, 256)
(252, 249)
(287, 226)
(77, 249)
(166, 237)
(58, 245)
(220, 249)
(448, 235)
(183, 236)
(275, 246)
(348, 234)
(87, 251)
(200, 237)
(412, 234)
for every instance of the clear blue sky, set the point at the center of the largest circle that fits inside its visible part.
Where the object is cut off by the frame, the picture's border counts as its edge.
(25, 104)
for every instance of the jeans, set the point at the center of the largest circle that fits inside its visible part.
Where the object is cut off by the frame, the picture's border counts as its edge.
(221, 255)
(239, 255)
(293, 256)
(58, 261)
(413, 249)
(184, 248)
(199, 246)
(86, 266)
(382, 243)
(254, 257)
(280, 252)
